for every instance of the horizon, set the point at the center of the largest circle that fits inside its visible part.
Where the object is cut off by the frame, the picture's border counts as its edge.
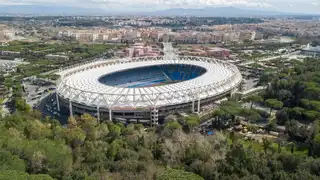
(286, 6)
(67, 10)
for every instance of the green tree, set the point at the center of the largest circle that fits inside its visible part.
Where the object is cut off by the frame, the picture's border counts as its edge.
(296, 112)
(115, 130)
(282, 117)
(315, 105)
(251, 115)
(170, 174)
(102, 131)
(15, 175)
(21, 105)
(75, 136)
(114, 148)
(192, 121)
(11, 162)
(266, 143)
(254, 99)
(311, 115)
(173, 125)
(273, 103)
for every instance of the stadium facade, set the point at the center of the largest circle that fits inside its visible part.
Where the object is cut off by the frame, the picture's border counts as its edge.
(145, 88)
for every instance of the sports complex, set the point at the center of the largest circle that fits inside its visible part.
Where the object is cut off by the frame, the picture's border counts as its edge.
(145, 88)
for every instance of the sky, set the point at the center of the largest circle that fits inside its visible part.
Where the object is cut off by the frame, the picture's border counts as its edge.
(297, 6)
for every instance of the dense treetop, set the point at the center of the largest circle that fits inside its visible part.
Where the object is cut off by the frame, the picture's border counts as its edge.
(37, 148)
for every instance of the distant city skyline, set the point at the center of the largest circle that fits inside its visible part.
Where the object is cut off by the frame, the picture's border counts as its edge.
(296, 6)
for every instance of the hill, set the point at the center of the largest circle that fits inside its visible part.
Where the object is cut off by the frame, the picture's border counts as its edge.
(48, 10)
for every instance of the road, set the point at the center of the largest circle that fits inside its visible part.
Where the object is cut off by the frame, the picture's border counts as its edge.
(49, 72)
(270, 58)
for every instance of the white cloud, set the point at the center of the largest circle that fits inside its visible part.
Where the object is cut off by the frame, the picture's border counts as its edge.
(166, 3)
(204, 3)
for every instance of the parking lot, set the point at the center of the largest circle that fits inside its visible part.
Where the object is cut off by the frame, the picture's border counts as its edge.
(48, 107)
(36, 89)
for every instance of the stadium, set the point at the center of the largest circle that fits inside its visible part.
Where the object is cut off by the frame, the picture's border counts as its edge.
(145, 88)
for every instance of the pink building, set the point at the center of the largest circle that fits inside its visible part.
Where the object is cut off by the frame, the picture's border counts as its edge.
(139, 49)
(221, 53)
(147, 49)
(154, 34)
(138, 52)
(128, 52)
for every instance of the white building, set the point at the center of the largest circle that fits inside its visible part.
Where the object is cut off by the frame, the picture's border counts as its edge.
(56, 57)
(256, 35)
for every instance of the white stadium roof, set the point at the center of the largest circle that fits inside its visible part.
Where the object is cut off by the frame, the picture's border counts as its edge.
(81, 84)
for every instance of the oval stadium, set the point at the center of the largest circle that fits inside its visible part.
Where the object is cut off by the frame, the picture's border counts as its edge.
(145, 88)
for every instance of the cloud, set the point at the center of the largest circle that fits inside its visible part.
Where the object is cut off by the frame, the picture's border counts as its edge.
(204, 3)
(163, 3)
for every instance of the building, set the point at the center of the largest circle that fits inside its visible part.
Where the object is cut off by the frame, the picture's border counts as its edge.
(132, 35)
(10, 53)
(56, 57)
(256, 35)
(113, 89)
(245, 36)
(139, 49)
(311, 50)
(220, 53)
(2, 36)
(86, 37)
(154, 35)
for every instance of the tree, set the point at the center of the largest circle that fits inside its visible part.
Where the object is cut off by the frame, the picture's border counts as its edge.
(315, 105)
(15, 175)
(251, 115)
(115, 130)
(254, 99)
(170, 174)
(72, 122)
(37, 163)
(297, 131)
(169, 118)
(266, 143)
(192, 121)
(284, 94)
(296, 112)
(102, 131)
(173, 125)
(315, 146)
(88, 125)
(88, 119)
(282, 117)
(21, 105)
(114, 148)
(75, 136)
(11, 162)
(311, 115)
(225, 115)
(273, 103)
